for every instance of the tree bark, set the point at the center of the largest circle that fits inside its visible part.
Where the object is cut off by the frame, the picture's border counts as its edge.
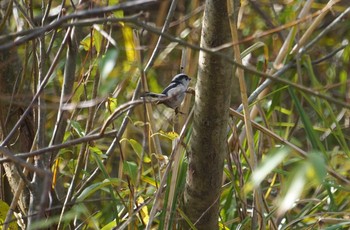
(13, 98)
(212, 101)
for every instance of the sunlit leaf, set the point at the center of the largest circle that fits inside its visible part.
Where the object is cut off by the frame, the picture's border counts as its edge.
(144, 210)
(118, 13)
(108, 62)
(111, 104)
(4, 208)
(140, 123)
(97, 40)
(96, 150)
(110, 225)
(146, 159)
(269, 164)
(170, 135)
(341, 163)
(295, 189)
(129, 43)
(55, 168)
(86, 43)
(149, 180)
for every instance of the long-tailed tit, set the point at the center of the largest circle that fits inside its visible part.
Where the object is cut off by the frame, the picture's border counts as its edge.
(173, 95)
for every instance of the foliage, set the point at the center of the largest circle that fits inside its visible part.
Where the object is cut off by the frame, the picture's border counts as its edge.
(128, 161)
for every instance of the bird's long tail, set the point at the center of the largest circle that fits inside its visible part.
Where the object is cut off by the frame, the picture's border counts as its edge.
(155, 95)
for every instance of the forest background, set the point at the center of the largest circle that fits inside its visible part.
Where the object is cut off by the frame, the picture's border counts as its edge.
(81, 150)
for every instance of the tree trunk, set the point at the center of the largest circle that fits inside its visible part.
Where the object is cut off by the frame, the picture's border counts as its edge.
(12, 104)
(212, 101)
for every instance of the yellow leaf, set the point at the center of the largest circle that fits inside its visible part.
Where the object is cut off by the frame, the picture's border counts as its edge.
(144, 210)
(111, 104)
(129, 43)
(86, 42)
(55, 170)
(170, 135)
(97, 40)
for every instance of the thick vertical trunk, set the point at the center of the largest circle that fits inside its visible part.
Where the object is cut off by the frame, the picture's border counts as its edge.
(212, 101)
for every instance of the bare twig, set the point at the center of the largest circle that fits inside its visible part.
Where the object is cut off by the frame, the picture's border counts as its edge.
(159, 192)
(257, 204)
(6, 152)
(38, 31)
(135, 95)
(298, 150)
(87, 138)
(35, 97)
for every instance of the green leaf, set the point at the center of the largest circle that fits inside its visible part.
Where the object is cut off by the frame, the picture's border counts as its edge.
(118, 13)
(343, 78)
(95, 150)
(309, 67)
(97, 40)
(107, 63)
(77, 127)
(90, 190)
(4, 208)
(269, 164)
(130, 169)
(185, 217)
(78, 92)
(110, 225)
(68, 216)
(86, 43)
(318, 165)
(338, 226)
(252, 48)
(101, 166)
(136, 146)
(310, 132)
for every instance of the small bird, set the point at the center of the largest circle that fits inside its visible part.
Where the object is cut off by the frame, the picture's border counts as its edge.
(174, 93)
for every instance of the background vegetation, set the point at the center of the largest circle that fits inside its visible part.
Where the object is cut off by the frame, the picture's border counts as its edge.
(81, 151)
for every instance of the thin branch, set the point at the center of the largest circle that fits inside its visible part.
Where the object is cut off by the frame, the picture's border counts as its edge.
(6, 152)
(136, 93)
(38, 31)
(257, 204)
(71, 143)
(160, 190)
(273, 77)
(6, 15)
(35, 97)
(298, 150)
(325, 31)
(313, 26)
